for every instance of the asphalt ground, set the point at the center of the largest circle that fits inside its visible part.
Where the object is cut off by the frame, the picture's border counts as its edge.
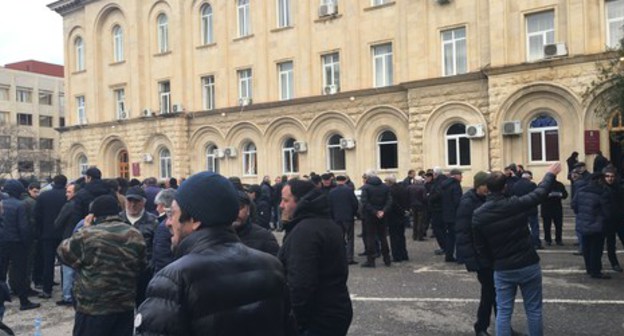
(427, 296)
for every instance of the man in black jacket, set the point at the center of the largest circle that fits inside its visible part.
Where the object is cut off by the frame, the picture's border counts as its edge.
(94, 187)
(376, 202)
(524, 186)
(343, 207)
(397, 218)
(552, 211)
(64, 223)
(435, 209)
(502, 235)
(251, 234)
(417, 193)
(313, 255)
(451, 194)
(615, 223)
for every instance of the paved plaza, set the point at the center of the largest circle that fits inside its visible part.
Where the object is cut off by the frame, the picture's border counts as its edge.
(427, 296)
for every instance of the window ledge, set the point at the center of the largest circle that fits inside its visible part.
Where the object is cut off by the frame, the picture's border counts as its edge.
(168, 52)
(279, 29)
(117, 63)
(206, 46)
(541, 163)
(241, 38)
(387, 4)
(78, 72)
(328, 18)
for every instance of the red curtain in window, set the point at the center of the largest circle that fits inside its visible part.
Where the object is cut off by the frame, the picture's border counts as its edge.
(536, 146)
(552, 145)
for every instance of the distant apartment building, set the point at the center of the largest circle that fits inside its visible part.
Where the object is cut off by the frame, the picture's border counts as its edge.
(31, 109)
(252, 88)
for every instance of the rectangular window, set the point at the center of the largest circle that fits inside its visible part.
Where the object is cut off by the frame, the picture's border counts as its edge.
(80, 110)
(540, 31)
(45, 98)
(208, 92)
(615, 22)
(331, 73)
(283, 13)
(24, 119)
(46, 166)
(244, 84)
(23, 95)
(25, 143)
(62, 122)
(382, 65)
(25, 167)
(286, 83)
(4, 118)
(5, 141)
(120, 103)
(164, 90)
(244, 20)
(4, 93)
(454, 57)
(46, 143)
(45, 121)
(62, 103)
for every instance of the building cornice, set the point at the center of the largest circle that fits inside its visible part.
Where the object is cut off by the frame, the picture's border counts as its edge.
(551, 63)
(64, 7)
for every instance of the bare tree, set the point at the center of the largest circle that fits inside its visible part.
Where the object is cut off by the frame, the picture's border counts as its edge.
(19, 151)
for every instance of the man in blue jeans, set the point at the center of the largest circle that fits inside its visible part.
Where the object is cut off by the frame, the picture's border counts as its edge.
(501, 235)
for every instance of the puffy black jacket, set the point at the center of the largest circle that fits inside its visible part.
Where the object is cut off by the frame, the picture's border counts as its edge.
(523, 187)
(257, 237)
(16, 227)
(161, 249)
(451, 195)
(218, 286)
(469, 202)
(86, 195)
(343, 204)
(592, 205)
(552, 205)
(314, 256)
(375, 197)
(501, 233)
(47, 208)
(147, 225)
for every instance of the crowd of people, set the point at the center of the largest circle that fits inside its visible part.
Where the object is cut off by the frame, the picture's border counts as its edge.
(148, 259)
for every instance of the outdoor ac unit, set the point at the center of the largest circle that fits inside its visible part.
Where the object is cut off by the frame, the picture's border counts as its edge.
(177, 108)
(475, 131)
(331, 89)
(244, 101)
(230, 152)
(300, 146)
(346, 143)
(555, 50)
(328, 9)
(512, 127)
(219, 153)
(123, 115)
(147, 112)
(148, 158)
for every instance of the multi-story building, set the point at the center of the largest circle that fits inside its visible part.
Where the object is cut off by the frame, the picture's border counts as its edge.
(248, 88)
(31, 109)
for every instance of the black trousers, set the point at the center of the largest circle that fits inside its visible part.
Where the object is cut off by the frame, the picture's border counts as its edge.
(376, 228)
(611, 238)
(116, 324)
(548, 220)
(15, 254)
(48, 248)
(488, 299)
(449, 231)
(348, 236)
(437, 224)
(419, 231)
(396, 226)
(592, 252)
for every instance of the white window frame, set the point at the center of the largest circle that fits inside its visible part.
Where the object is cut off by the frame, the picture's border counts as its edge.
(542, 131)
(81, 110)
(331, 69)
(164, 93)
(455, 43)
(250, 159)
(243, 18)
(164, 157)
(120, 103)
(212, 161)
(80, 55)
(83, 165)
(330, 148)
(544, 34)
(208, 92)
(23, 95)
(456, 138)
(163, 33)
(245, 83)
(290, 158)
(618, 20)
(378, 2)
(284, 13)
(286, 80)
(4, 92)
(207, 24)
(382, 58)
(45, 97)
(118, 49)
(387, 142)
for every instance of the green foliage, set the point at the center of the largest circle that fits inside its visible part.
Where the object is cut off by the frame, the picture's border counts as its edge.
(607, 90)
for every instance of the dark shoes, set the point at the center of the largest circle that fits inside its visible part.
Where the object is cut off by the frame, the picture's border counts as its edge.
(29, 305)
(601, 276)
(32, 292)
(438, 252)
(450, 259)
(64, 303)
(483, 333)
(44, 295)
(549, 243)
(617, 268)
(387, 261)
(367, 264)
(352, 262)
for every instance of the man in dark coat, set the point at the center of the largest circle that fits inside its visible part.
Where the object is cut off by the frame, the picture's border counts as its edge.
(397, 218)
(343, 207)
(376, 202)
(417, 193)
(217, 285)
(314, 257)
(501, 234)
(252, 234)
(435, 209)
(600, 162)
(552, 211)
(64, 223)
(47, 209)
(161, 249)
(277, 198)
(615, 223)
(522, 187)
(94, 187)
(266, 196)
(451, 194)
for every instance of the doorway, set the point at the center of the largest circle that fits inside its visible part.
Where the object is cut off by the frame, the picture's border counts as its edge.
(616, 142)
(124, 165)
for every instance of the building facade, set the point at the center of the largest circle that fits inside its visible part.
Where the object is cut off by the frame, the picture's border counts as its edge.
(252, 88)
(31, 109)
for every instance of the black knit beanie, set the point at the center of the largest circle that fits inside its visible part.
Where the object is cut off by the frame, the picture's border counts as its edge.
(105, 205)
(209, 198)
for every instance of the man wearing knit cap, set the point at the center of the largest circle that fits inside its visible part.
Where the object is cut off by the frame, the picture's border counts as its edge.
(217, 285)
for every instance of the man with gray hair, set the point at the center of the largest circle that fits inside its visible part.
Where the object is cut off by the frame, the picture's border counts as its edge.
(161, 253)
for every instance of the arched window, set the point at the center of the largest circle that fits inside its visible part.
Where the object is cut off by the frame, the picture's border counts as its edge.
(250, 160)
(83, 165)
(212, 161)
(163, 33)
(387, 150)
(80, 54)
(457, 146)
(165, 163)
(206, 24)
(335, 154)
(118, 52)
(290, 157)
(543, 139)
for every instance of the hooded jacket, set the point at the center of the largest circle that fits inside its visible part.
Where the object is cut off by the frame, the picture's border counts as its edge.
(256, 237)
(592, 205)
(15, 224)
(86, 195)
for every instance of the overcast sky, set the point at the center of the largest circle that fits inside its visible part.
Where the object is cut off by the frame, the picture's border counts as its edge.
(30, 30)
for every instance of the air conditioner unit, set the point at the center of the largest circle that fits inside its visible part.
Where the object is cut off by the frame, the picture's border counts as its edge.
(123, 115)
(475, 131)
(331, 89)
(148, 158)
(512, 127)
(244, 101)
(147, 112)
(300, 146)
(346, 143)
(230, 152)
(219, 153)
(177, 108)
(555, 50)
(328, 9)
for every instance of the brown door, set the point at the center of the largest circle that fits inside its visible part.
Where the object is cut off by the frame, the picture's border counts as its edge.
(124, 165)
